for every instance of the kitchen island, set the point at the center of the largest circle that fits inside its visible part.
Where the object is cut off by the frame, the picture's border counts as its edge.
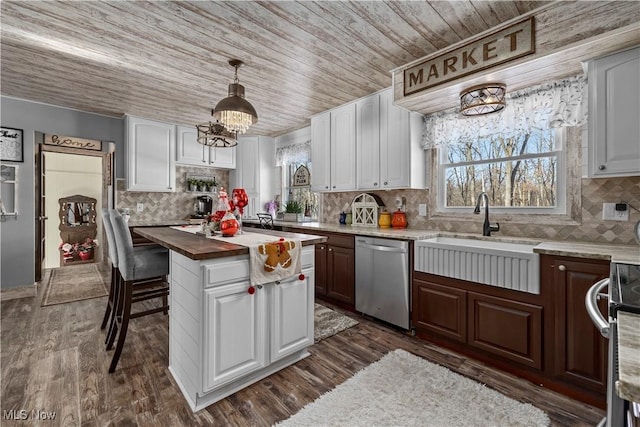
(224, 332)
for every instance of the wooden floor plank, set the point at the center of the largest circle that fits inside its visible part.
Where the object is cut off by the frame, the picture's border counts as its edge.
(53, 358)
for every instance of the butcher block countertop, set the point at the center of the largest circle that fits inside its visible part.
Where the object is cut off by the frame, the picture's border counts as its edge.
(628, 384)
(198, 247)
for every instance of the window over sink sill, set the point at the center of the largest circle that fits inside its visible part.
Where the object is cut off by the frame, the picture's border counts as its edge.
(526, 158)
(569, 171)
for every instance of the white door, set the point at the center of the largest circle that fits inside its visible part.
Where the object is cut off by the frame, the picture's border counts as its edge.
(150, 155)
(292, 314)
(188, 150)
(235, 333)
(321, 152)
(395, 144)
(343, 148)
(368, 142)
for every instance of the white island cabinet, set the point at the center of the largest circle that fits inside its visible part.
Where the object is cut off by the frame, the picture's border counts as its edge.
(225, 334)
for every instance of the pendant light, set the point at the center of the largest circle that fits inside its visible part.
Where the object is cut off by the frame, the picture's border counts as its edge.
(483, 99)
(214, 134)
(234, 112)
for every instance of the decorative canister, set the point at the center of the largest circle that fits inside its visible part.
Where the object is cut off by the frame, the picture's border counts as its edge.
(399, 219)
(384, 220)
(343, 218)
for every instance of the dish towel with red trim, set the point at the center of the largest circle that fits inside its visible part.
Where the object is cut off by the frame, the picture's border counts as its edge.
(276, 260)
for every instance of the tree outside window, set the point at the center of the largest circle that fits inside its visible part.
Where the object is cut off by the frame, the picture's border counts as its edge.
(516, 172)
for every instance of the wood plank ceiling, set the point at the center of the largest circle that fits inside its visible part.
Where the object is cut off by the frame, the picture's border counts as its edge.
(168, 60)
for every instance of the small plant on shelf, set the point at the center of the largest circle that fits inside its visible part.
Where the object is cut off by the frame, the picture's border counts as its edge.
(193, 184)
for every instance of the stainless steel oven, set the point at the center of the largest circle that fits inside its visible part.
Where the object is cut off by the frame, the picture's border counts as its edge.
(623, 295)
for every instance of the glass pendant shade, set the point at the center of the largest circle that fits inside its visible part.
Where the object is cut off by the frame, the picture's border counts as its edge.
(234, 111)
(483, 99)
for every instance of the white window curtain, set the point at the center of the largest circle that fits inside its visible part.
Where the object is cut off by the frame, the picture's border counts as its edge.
(295, 153)
(552, 105)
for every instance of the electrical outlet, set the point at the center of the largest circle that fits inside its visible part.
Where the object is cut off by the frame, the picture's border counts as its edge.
(140, 207)
(610, 213)
(422, 209)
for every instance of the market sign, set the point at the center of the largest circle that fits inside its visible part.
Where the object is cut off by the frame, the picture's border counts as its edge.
(502, 46)
(71, 142)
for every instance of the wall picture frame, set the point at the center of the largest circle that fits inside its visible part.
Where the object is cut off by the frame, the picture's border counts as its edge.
(11, 144)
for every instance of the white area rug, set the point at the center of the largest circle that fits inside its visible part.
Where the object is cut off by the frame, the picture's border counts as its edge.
(405, 390)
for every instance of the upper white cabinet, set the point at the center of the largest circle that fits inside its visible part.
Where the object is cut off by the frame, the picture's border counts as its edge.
(369, 144)
(254, 172)
(321, 152)
(614, 114)
(389, 149)
(190, 152)
(333, 149)
(150, 155)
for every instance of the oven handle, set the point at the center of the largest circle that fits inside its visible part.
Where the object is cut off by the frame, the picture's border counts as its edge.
(591, 303)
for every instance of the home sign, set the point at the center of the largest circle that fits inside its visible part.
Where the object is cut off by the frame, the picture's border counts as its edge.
(501, 46)
(71, 142)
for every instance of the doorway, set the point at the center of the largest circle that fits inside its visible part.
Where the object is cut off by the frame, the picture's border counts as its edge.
(72, 171)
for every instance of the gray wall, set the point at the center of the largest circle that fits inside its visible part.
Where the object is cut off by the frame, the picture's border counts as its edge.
(17, 246)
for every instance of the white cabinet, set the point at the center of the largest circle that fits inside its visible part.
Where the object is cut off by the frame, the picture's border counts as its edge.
(225, 334)
(614, 114)
(150, 155)
(389, 149)
(368, 142)
(235, 331)
(321, 152)
(190, 152)
(333, 149)
(255, 168)
(343, 148)
(292, 302)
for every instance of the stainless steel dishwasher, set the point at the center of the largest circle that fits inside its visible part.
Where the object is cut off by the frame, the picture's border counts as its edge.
(382, 279)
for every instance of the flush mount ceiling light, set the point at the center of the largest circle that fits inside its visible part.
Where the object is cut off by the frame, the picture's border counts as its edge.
(215, 135)
(235, 112)
(483, 99)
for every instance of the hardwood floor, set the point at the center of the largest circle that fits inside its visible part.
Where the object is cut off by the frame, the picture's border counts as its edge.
(53, 359)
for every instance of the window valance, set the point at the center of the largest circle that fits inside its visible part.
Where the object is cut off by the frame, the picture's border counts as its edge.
(295, 153)
(551, 105)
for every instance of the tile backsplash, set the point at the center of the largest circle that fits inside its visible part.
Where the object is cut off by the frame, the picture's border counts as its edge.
(591, 228)
(168, 206)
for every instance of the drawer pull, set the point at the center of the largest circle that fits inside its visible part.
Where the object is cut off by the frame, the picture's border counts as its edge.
(561, 267)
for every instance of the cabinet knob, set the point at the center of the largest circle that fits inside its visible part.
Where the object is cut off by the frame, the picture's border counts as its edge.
(561, 267)
(602, 167)
(385, 183)
(326, 187)
(277, 282)
(334, 186)
(375, 184)
(322, 248)
(330, 250)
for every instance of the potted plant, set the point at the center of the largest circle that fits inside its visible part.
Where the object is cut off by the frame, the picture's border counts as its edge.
(85, 249)
(293, 211)
(193, 184)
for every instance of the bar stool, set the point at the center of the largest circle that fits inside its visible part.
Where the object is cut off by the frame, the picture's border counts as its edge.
(266, 221)
(115, 273)
(143, 276)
